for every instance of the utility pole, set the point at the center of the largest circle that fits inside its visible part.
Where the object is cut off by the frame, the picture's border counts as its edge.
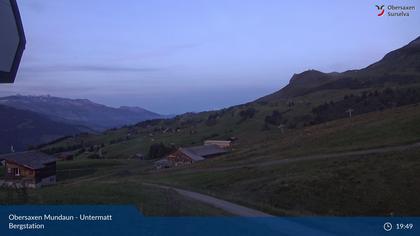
(100, 154)
(350, 112)
(281, 127)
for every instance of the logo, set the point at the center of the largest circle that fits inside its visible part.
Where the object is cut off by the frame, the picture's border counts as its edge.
(380, 9)
(395, 10)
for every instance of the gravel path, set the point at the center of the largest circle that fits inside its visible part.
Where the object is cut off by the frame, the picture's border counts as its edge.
(230, 207)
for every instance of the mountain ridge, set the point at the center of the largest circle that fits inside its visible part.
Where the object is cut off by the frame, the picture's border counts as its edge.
(79, 111)
(399, 66)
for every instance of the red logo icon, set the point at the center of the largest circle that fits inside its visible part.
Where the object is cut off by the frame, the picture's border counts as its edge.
(381, 10)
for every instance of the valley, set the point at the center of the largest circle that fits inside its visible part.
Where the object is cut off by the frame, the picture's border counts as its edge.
(28, 121)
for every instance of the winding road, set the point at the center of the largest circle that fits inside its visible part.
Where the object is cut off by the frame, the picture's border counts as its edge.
(229, 207)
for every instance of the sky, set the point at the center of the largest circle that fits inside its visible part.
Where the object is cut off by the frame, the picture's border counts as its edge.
(194, 55)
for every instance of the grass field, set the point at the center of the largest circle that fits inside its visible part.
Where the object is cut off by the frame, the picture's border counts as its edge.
(102, 182)
(193, 128)
(378, 129)
(371, 184)
(376, 184)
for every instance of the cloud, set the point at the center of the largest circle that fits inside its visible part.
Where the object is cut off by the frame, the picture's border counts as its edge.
(86, 68)
(163, 51)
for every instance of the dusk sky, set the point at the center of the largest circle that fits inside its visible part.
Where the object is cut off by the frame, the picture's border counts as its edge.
(192, 55)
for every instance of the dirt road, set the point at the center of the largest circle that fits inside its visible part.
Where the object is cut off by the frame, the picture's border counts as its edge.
(229, 207)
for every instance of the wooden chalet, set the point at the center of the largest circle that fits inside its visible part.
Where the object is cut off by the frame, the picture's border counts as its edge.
(29, 169)
(185, 156)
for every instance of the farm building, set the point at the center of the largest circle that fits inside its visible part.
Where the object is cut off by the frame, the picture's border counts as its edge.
(220, 143)
(31, 169)
(185, 156)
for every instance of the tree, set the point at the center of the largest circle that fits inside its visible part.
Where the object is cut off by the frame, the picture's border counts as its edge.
(159, 150)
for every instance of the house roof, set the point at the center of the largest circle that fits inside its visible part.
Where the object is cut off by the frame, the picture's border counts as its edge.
(33, 159)
(199, 153)
(192, 155)
(218, 141)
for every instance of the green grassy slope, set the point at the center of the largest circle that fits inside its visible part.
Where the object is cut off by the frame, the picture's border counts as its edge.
(370, 184)
(375, 184)
(104, 182)
(193, 129)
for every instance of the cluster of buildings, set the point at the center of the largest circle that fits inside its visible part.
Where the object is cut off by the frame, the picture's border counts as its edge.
(35, 169)
(188, 155)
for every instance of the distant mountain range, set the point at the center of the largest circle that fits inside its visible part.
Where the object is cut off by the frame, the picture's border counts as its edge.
(398, 67)
(32, 120)
(80, 112)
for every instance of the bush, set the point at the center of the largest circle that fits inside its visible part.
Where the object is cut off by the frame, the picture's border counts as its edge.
(159, 150)
(274, 119)
(248, 113)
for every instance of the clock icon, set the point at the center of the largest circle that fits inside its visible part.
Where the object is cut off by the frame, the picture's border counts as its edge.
(387, 226)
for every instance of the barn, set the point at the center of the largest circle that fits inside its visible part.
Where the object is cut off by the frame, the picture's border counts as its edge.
(185, 156)
(31, 169)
